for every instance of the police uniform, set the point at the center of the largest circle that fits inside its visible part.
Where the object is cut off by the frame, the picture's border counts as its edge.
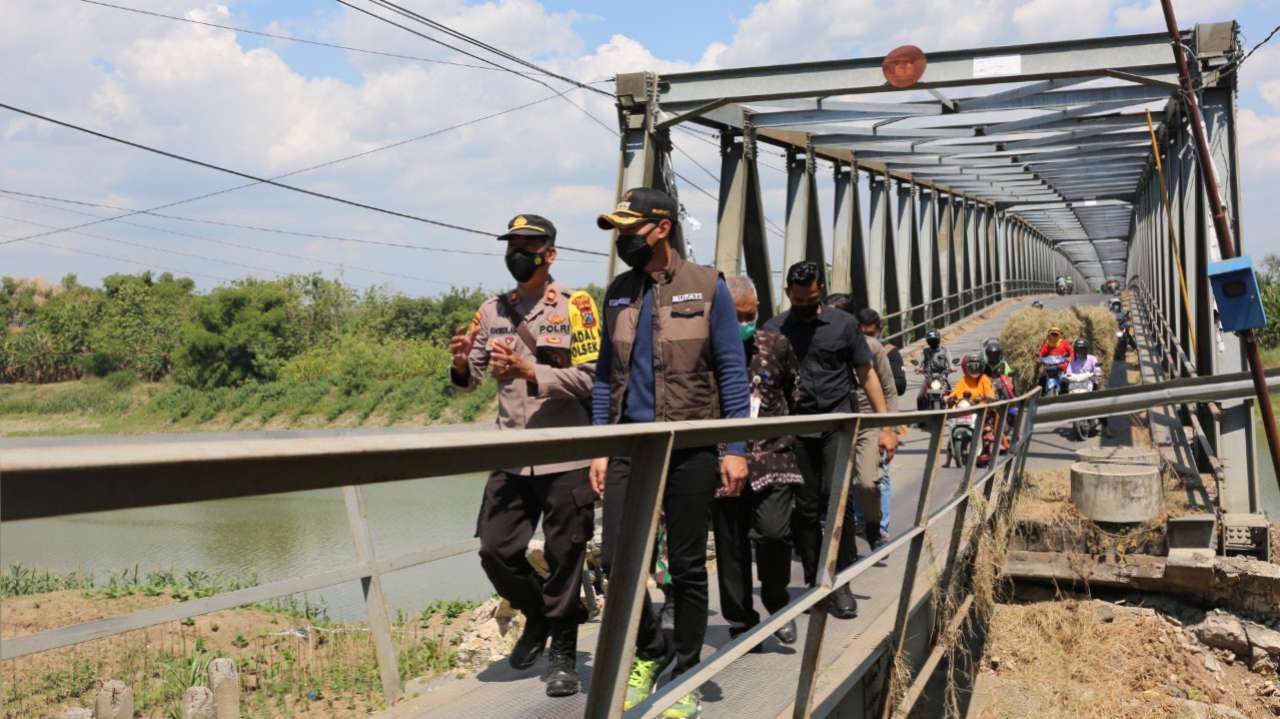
(559, 330)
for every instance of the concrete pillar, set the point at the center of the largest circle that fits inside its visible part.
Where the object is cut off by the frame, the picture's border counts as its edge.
(197, 703)
(225, 686)
(115, 701)
(1117, 493)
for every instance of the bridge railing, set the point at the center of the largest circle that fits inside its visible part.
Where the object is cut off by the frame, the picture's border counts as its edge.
(935, 311)
(40, 483)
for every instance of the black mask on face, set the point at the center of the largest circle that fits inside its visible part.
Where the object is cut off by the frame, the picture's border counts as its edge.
(634, 250)
(804, 312)
(522, 264)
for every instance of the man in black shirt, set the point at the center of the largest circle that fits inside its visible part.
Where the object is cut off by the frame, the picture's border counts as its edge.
(832, 353)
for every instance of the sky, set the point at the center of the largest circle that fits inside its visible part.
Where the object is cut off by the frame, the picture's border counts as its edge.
(269, 107)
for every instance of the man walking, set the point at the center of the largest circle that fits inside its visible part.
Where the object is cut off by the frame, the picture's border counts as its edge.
(761, 515)
(540, 341)
(832, 352)
(671, 350)
(893, 383)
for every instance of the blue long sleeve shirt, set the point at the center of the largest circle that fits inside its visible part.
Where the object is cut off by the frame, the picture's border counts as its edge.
(726, 347)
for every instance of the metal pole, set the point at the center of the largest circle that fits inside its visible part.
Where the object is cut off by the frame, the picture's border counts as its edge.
(1223, 228)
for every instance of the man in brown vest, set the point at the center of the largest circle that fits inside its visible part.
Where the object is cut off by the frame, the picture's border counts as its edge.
(671, 350)
(540, 341)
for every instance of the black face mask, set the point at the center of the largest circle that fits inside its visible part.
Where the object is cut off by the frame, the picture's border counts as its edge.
(522, 264)
(634, 251)
(804, 312)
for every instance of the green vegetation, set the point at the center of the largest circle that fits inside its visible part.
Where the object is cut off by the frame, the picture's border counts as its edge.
(290, 656)
(148, 353)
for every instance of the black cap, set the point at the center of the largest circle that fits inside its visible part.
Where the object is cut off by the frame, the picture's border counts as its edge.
(530, 226)
(639, 204)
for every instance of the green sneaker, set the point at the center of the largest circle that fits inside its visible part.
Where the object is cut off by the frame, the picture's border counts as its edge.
(689, 706)
(644, 672)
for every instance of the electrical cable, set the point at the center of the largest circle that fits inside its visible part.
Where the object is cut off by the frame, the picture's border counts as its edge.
(441, 27)
(221, 223)
(148, 265)
(340, 265)
(290, 38)
(254, 178)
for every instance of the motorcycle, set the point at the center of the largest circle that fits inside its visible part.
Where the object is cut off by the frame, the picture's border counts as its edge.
(1124, 338)
(1051, 365)
(937, 381)
(1082, 383)
(960, 433)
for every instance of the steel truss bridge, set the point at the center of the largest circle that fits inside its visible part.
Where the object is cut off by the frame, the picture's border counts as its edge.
(1000, 170)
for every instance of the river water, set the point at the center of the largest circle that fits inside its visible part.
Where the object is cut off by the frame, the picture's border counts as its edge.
(272, 537)
(290, 535)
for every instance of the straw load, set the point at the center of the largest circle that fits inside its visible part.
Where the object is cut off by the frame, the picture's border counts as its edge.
(1026, 330)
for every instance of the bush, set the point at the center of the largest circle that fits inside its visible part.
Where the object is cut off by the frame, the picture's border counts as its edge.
(236, 335)
(121, 380)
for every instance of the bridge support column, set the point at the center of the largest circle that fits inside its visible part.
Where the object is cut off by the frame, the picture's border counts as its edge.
(740, 229)
(882, 270)
(848, 256)
(947, 257)
(906, 257)
(930, 259)
(804, 226)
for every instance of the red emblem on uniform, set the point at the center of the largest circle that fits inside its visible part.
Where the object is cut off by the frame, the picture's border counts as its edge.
(551, 296)
(553, 339)
(556, 319)
(586, 308)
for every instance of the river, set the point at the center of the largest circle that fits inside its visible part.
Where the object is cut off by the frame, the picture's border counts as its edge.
(273, 537)
(289, 535)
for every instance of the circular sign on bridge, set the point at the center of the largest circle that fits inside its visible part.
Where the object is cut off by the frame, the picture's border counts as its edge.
(904, 66)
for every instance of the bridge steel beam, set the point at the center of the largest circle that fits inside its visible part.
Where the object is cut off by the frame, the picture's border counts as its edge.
(930, 261)
(740, 227)
(907, 257)
(803, 239)
(848, 256)
(882, 272)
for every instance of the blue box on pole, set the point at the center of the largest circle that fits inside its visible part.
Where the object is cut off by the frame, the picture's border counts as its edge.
(1235, 287)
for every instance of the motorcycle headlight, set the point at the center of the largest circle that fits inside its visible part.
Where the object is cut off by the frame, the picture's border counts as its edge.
(935, 385)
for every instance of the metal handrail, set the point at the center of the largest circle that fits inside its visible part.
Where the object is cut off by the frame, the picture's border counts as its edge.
(35, 482)
(1031, 288)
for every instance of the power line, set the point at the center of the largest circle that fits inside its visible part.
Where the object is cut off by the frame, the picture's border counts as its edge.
(441, 27)
(329, 163)
(290, 38)
(254, 178)
(148, 265)
(340, 265)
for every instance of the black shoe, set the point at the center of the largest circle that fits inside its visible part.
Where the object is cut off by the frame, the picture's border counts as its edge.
(786, 633)
(735, 632)
(842, 604)
(531, 642)
(562, 679)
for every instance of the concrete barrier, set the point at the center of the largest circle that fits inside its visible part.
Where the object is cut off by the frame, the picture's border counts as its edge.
(1120, 455)
(1117, 493)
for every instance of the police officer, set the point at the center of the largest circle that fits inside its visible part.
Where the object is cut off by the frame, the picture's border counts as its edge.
(540, 341)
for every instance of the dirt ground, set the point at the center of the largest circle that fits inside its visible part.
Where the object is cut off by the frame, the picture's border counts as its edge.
(288, 666)
(1088, 658)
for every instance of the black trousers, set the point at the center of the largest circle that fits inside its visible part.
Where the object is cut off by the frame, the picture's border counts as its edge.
(512, 506)
(692, 478)
(764, 519)
(817, 454)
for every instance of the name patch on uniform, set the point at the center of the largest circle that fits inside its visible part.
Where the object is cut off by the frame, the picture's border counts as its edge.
(617, 301)
(687, 297)
(584, 343)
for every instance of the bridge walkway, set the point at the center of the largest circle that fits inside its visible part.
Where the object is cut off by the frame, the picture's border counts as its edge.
(762, 685)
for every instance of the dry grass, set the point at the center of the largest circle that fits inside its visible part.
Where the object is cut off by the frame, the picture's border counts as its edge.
(1062, 659)
(1026, 330)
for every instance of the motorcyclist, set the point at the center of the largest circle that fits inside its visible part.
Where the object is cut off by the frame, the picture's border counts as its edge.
(996, 368)
(1116, 307)
(1056, 344)
(1084, 363)
(973, 385)
(933, 350)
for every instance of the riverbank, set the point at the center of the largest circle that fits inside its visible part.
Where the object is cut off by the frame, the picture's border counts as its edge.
(293, 661)
(119, 404)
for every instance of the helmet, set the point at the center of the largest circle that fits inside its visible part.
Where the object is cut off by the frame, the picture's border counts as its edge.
(972, 364)
(1080, 347)
(1114, 303)
(993, 352)
(933, 338)
(1055, 331)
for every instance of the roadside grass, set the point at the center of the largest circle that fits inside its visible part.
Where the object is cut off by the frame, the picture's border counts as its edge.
(114, 405)
(292, 660)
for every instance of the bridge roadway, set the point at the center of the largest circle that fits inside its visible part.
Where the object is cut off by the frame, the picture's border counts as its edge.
(763, 685)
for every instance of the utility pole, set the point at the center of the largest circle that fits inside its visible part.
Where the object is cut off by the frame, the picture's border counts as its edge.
(1223, 228)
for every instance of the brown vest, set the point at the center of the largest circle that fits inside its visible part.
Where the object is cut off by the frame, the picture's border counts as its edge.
(684, 378)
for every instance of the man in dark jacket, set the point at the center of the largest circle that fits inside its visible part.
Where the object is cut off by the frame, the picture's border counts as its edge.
(671, 350)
